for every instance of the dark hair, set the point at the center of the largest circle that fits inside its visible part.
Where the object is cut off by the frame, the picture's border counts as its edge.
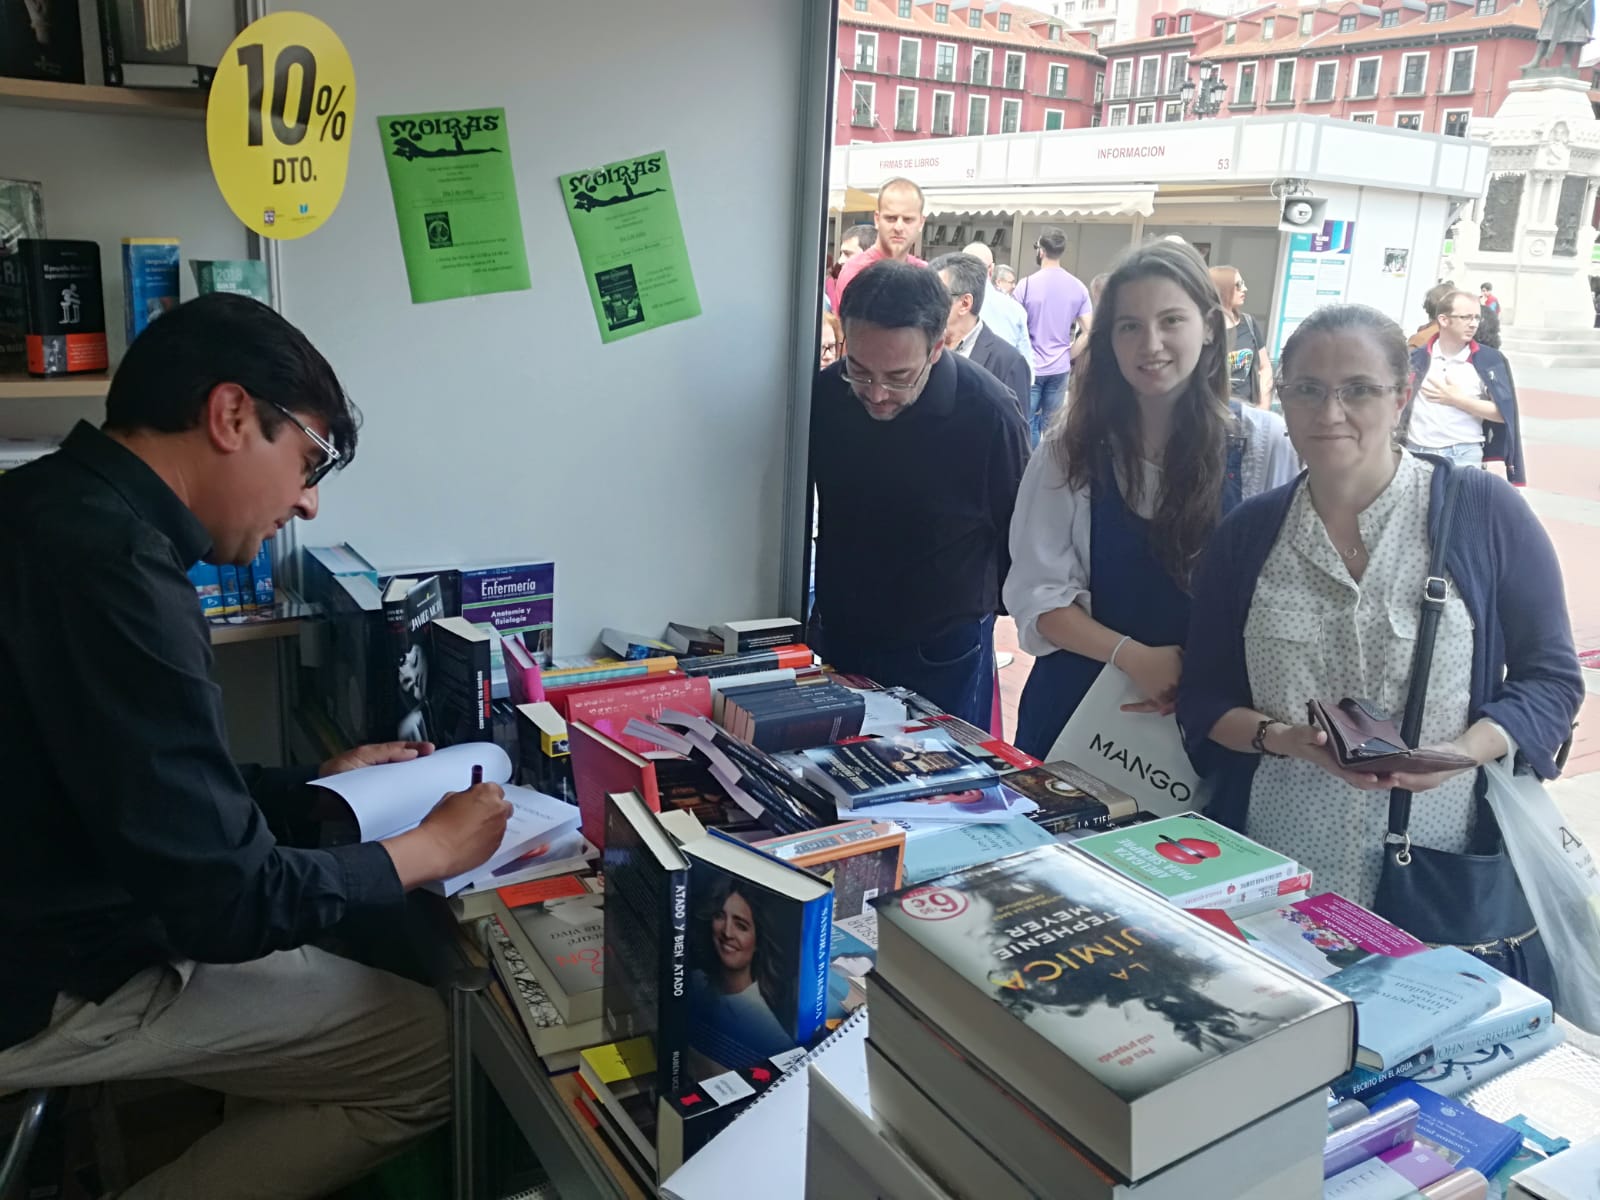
(169, 371)
(865, 236)
(1435, 297)
(1378, 328)
(1486, 287)
(896, 295)
(900, 183)
(1102, 413)
(1053, 242)
(1489, 329)
(777, 986)
(968, 276)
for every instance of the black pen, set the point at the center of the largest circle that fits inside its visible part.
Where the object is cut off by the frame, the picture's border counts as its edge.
(477, 775)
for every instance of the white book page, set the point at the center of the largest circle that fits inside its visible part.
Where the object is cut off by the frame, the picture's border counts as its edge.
(534, 816)
(394, 797)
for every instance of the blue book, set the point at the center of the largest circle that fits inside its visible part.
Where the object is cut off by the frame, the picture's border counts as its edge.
(759, 933)
(1405, 1005)
(261, 578)
(1520, 1011)
(208, 587)
(1460, 1136)
(849, 961)
(931, 855)
(232, 601)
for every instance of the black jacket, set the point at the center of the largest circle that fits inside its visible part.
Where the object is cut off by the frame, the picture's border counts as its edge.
(1503, 438)
(994, 355)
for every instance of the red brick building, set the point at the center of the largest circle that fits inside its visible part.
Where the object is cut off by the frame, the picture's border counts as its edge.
(1430, 65)
(912, 69)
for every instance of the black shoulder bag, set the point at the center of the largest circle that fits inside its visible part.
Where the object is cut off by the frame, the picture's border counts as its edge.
(1470, 900)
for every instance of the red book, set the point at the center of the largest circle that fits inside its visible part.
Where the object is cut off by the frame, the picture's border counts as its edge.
(608, 710)
(561, 697)
(601, 766)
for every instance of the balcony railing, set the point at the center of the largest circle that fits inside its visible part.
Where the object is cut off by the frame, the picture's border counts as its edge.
(866, 62)
(905, 125)
(861, 116)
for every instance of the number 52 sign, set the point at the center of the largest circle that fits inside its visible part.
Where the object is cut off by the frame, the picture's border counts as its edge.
(276, 124)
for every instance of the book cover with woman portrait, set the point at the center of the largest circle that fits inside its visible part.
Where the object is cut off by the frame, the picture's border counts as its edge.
(758, 956)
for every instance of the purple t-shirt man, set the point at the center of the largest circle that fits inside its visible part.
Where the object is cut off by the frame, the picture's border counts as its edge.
(1054, 298)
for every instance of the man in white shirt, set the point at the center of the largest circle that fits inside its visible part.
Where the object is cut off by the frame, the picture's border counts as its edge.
(1451, 405)
(1001, 313)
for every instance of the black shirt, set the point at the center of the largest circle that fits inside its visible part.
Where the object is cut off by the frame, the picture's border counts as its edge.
(1244, 350)
(915, 513)
(128, 837)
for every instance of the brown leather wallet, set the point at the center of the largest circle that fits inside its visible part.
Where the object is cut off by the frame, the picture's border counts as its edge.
(1364, 738)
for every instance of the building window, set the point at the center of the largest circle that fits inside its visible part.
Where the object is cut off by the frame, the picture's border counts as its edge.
(1408, 121)
(1094, 119)
(1121, 74)
(977, 115)
(861, 104)
(1174, 111)
(1246, 94)
(1161, 27)
(1487, 8)
(1366, 78)
(910, 57)
(1230, 33)
(1458, 76)
(1413, 74)
(1149, 75)
(1183, 23)
(1058, 80)
(1053, 119)
(941, 13)
(975, 17)
(1455, 122)
(1119, 115)
(1268, 24)
(1014, 71)
(861, 5)
(1177, 72)
(944, 104)
(1305, 24)
(1145, 114)
(944, 62)
(1364, 118)
(980, 67)
(904, 10)
(1347, 24)
(1005, 22)
(1054, 33)
(866, 51)
(1390, 18)
(1323, 80)
(1283, 81)
(1010, 116)
(905, 109)
(1099, 86)
(1436, 12)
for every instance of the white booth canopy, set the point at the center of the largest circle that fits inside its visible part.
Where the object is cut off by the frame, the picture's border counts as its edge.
(1042, 202)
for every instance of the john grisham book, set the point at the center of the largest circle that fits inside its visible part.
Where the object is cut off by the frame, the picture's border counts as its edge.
(65, 332)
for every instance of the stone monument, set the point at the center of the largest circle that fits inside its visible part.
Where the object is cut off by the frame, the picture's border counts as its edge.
(1532, 233)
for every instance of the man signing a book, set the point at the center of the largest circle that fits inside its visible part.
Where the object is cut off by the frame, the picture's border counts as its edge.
(916, 456)
(151, 923)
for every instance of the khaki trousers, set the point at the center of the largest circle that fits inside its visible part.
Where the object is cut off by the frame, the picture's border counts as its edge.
(329, 1067)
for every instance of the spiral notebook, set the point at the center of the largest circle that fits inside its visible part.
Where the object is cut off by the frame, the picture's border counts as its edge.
(773, 1129)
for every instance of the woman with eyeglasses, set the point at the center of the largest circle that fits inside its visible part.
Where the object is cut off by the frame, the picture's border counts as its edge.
(1126, 487)
(1314, 592)
(832, 340)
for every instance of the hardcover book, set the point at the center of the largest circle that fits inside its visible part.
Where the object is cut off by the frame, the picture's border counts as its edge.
(564, 943)
(880, 770)
(608, 710)
(758, 955)
(554, 1041)
(646, 937)
(1519, 1011)
(21, 216)
(740, 637)
(240, 276)
(1463, 1138)
(408, 607)
(1194, 862)
(600, 767)
(65, 328)
(41, 39)
(1322, 934)
(513, 599)
(165, 43)
(459, 684)
(1069, 797)
(149, 281)
(1114, 1014)
(860, 859)
(1407, 1004)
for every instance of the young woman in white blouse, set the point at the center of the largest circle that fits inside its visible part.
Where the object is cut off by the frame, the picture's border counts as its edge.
(1118, 501)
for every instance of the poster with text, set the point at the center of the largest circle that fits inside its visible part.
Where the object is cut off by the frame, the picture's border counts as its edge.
(630, 240)
(1317, 273)
(455, 199)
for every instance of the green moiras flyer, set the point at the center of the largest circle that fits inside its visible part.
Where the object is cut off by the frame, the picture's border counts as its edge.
(635, 264)
(455, 198)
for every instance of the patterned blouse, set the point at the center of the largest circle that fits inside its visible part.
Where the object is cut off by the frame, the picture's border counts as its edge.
(1314, 632)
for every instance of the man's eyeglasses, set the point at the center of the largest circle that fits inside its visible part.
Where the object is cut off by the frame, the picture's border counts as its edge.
(861, 383)
(331, 457)
(1474, 318)
(1306, 393)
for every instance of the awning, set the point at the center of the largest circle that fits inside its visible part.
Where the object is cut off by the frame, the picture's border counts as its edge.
(851, 200)
(1042, 202)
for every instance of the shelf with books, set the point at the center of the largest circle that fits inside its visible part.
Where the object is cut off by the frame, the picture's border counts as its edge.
(91, 98)
(18, 386)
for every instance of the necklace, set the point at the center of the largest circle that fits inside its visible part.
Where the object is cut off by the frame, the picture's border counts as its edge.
(1353, 551)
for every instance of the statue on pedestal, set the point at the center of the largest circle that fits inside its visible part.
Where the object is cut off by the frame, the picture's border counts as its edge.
(1565, 30)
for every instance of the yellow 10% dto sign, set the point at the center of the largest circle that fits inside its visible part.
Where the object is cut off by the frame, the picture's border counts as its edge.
(277, 124)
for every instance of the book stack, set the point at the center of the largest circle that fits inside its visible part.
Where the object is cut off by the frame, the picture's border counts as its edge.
(1042, 1026)
(1416, 1141)
(789, 715)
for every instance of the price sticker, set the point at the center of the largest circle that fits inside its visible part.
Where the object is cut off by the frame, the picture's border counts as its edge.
(933, 904)
(278, 124)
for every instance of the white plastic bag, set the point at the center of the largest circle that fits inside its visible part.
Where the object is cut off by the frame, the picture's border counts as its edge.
(1558, 873)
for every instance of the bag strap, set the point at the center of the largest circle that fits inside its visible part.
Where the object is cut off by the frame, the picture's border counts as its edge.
(1435, 591)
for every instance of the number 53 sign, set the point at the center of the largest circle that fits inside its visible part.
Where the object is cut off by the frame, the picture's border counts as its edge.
(277, 121)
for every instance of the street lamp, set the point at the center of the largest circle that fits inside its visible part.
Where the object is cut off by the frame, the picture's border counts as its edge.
(1206, 100)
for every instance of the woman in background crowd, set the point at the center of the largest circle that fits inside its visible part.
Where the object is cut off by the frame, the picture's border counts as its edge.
(1314, 593)
(1249, 368)
(1126, 488)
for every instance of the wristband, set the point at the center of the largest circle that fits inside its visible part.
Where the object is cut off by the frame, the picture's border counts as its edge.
(1112, 661)
(1259, 742)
